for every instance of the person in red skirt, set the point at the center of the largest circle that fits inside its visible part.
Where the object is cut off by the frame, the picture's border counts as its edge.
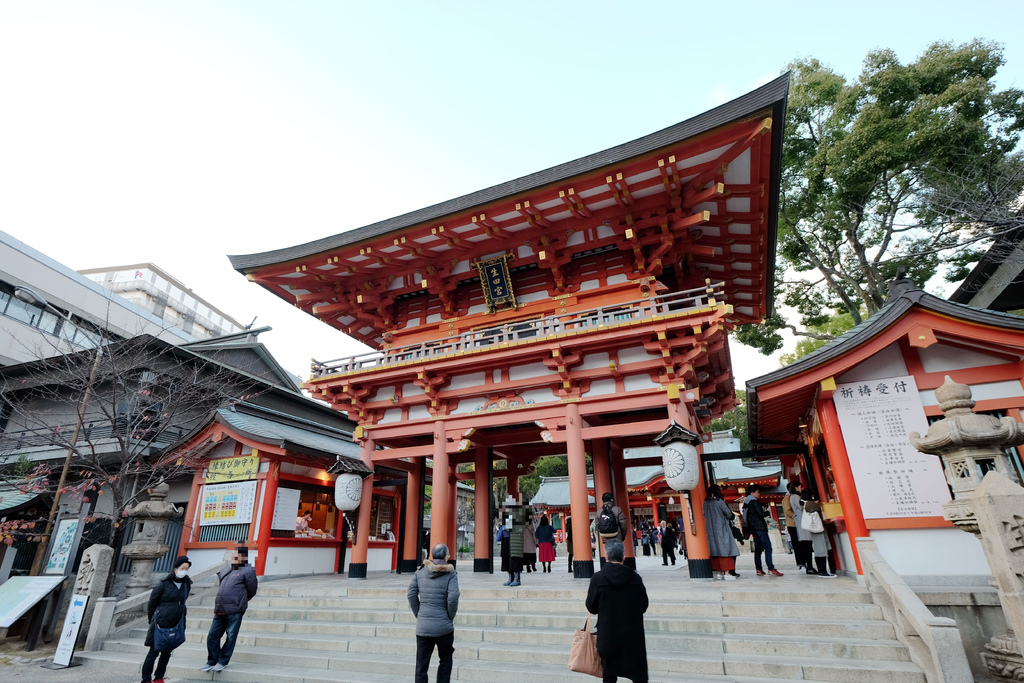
(722, 547)
(546, 543)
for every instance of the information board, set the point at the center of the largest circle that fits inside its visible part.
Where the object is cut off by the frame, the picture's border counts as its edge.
(286, 509)
(63, 542)
(893, 478)
(233, 469)
(228, 503)
(19, 593)
(69, 634)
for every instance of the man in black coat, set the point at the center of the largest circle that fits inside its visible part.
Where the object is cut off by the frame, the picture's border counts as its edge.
(668, 543)
(618, 597)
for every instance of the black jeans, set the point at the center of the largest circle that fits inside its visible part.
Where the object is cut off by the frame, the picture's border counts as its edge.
(161, 666)
(425, 648)
(798, 550)
(668, 552)
(222, 623)
(762, 543)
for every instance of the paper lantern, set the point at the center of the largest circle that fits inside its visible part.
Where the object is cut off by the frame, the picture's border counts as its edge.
(348, 491)
(682, 466)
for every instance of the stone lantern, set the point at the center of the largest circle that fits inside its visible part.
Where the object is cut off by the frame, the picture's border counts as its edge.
(989, 506)
(147, 544)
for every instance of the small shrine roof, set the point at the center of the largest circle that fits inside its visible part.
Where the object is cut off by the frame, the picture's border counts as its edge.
(254, 423)
(776, 419)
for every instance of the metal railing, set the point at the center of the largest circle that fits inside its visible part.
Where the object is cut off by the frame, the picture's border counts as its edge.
(658, 305)
(57, 435)
(934, 642)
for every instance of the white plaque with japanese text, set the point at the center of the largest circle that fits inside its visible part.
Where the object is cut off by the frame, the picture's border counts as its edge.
(893, 478)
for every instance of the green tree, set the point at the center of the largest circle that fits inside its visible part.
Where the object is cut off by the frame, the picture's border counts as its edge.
(908, 166)
(735, 420)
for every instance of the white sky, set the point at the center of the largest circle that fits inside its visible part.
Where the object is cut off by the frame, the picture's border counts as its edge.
(179, 132)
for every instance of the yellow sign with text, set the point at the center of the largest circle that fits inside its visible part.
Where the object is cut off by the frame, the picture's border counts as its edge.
(233, 469)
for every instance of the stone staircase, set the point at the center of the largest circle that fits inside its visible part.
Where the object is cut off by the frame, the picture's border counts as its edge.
(330, 629)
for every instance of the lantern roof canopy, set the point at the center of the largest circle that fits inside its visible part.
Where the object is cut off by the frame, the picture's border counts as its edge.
(721, 169)
(677, 432)
(779, 402)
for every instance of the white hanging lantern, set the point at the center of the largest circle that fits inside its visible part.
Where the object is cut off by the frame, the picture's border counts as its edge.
(348, 491)
(679, 458)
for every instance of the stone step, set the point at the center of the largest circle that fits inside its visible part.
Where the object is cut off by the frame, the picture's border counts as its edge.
(269, 591)
(370, 669)
(481, 623)
(395, 656)
(775, 645)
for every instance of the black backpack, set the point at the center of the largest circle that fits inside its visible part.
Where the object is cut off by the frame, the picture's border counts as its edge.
(607, 522)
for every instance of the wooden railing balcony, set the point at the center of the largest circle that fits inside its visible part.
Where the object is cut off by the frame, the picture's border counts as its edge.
(656, 305)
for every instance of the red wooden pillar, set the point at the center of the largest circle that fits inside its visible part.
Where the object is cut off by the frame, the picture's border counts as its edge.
(602, 478)
(583, 559)
(622, 500)
(411, 552)
(853, 516)
(266, 517)
(699, 559)
(190, 527)
(482, 510)
(439, 509)
(512, 479)
(357, 566)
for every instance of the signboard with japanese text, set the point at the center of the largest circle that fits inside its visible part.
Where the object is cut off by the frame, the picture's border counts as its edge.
(69, 634)
(286, 509)
(228, 503)
(233, 469)
(496, 283)
(893, 478)
(19, 593)
(63, 542)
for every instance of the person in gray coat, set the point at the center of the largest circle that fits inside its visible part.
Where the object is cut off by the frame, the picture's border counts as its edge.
(434, 600)
(718, 520)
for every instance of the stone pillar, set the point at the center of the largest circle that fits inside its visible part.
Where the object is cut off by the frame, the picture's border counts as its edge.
(991, 507)
(147, 546)
(91, 580)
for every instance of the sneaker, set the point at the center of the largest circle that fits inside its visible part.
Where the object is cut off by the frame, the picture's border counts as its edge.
(732, 572)
(729, 577)
(507, 583)
(812, 572)
(775, 572)
(218, 667)
(158, 680)
(206, 667)
(516, 583)
(828, 576)
(760, 572)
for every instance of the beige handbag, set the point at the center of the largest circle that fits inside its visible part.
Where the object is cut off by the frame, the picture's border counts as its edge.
(583, 656)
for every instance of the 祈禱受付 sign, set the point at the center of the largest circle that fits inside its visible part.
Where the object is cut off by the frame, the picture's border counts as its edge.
(893, 478)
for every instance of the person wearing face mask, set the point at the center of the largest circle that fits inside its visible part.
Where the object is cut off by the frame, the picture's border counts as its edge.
(166, 609)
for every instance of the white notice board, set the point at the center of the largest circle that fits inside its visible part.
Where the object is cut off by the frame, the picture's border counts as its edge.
(893, 478)
(69, 634)
(19, 593)
(231, 503)
(286, 509)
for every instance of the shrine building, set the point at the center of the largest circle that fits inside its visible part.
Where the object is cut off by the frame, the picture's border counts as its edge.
(853, 403)
(577, 310)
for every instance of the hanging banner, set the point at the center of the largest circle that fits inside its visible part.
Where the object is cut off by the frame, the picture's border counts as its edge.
(233, 469)
(228, 503)
(496, 282)
(893, 478)
(69, 634)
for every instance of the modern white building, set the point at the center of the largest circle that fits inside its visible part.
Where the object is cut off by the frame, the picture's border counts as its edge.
(153, 289)
(32, 330)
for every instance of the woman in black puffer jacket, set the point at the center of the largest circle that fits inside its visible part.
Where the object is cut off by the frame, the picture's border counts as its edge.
(167, 605)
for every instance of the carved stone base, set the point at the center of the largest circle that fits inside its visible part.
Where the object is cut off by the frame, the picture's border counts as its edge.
(961, 513)
(1003, 659)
